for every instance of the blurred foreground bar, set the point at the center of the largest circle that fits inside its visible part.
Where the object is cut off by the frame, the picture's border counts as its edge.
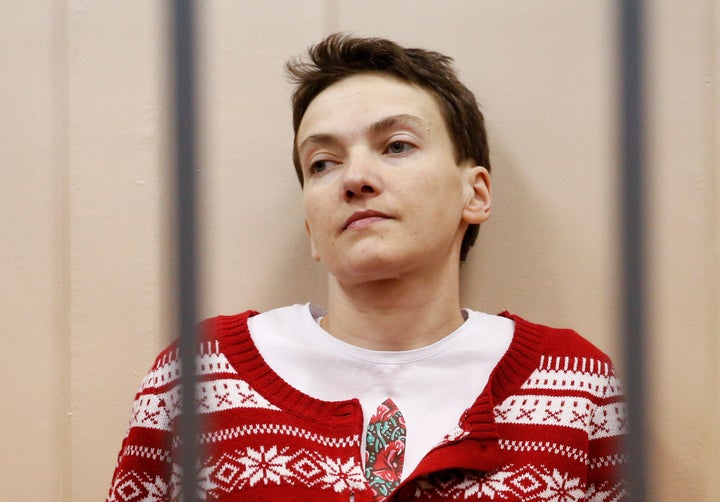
(632, 145)
(185, 200)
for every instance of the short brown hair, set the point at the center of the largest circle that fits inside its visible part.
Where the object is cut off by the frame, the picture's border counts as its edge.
(340, 56)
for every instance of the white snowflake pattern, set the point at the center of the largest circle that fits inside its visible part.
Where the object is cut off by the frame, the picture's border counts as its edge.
(342, 476)
(594, 494)
(138, 486)
(605, 492)
(265, 465)
(205, 483)
(156, 490)
(176, 484)
(562, 488)
(494, 485)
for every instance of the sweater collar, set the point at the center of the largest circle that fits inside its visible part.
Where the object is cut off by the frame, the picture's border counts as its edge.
(477, 423)
(234, 337)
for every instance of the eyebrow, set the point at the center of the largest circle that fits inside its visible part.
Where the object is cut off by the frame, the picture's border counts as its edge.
(327, 139)
(394, 120)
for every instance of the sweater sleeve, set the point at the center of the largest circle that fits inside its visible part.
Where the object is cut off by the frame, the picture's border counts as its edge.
(606, 458)
(143, 470)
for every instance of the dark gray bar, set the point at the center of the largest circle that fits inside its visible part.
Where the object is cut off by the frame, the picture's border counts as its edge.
(632, 143)
(185, 199)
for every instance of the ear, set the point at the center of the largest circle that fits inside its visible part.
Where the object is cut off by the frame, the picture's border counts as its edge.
(313, 248)
(478, 204)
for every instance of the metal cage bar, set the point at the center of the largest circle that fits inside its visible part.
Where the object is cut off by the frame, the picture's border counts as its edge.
(186, 221)
(632, 147)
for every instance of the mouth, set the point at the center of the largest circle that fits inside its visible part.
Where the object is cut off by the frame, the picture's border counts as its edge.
(362, 219)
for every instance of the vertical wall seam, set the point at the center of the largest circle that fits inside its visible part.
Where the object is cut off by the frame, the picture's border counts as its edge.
(60, 84)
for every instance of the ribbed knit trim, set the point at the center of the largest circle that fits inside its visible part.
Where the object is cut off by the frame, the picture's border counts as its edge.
(514, 368)
(236, 343)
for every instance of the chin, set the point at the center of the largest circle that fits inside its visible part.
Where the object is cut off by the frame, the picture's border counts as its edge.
(369, 266)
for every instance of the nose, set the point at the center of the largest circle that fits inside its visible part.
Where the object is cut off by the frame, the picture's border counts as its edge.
(360, 178)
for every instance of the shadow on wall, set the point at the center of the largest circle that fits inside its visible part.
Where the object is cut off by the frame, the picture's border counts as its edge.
(296, 277)
(261, 254)
(511, 265)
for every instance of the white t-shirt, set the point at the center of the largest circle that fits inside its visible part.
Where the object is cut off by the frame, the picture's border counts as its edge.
(432, 386)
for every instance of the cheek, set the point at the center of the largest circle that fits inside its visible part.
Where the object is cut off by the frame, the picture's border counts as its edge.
(311, 205)
(442, 191)
(445, 203)
(317, 218)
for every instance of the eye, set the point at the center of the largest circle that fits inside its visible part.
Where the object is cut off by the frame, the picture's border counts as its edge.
(397, 147)
(320, 165)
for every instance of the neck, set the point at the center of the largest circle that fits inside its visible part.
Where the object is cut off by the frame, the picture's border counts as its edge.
(394, 314)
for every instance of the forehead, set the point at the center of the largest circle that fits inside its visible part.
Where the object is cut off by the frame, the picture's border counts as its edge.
(367, 98)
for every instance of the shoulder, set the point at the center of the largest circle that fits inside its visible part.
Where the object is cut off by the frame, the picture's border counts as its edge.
(212, 336)
(211, 329)
(552, 359)
(219, 343)
(557, 341)
(566, 362)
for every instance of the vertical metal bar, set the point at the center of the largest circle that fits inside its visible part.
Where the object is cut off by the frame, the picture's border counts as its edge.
(632, 144)
(185, 200)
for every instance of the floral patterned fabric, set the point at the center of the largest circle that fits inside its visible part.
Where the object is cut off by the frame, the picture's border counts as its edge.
(385, 449)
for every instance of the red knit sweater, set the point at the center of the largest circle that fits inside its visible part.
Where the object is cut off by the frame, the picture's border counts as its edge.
(546, 428)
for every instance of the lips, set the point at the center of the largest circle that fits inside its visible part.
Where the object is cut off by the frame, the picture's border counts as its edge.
(368, 214)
